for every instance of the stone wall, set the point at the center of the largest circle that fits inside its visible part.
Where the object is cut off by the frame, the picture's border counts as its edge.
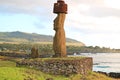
(13, 54)
(60, 66)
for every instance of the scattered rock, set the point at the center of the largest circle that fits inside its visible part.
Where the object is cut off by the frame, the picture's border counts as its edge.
(114, 75)
(111, 74)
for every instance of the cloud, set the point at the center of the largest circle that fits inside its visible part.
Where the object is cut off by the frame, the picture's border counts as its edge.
(97, 2)
(95, 8)
(108, 40)
(112, 3)
(26, 6)
(41, 7)
(90, 21)
(95, 24)
(102, 11)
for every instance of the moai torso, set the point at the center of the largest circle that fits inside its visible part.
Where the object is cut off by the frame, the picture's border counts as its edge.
(59, 41)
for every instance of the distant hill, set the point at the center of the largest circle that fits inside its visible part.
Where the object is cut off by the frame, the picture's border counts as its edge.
(18, 36)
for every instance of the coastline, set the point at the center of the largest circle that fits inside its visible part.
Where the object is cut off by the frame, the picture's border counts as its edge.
(114, 75)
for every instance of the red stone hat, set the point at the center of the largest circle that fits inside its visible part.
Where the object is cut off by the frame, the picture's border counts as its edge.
(60, 0)
(60, 7)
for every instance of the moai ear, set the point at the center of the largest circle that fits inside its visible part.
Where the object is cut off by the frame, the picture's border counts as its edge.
(60, 7)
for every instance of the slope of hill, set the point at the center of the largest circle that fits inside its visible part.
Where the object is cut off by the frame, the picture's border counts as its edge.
(29, 37)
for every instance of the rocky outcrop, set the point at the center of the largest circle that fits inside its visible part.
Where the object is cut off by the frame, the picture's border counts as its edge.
(114, 75)
(111, 74)
(59, 66)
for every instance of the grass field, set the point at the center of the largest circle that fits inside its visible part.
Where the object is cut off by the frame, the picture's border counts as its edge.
(7, 64)
(9, 71)
(14, 73)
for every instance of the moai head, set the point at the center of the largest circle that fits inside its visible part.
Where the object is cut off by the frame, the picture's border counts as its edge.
(60, 7)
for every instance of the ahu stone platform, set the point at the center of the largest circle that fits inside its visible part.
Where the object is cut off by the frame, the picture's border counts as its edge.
(60, 66)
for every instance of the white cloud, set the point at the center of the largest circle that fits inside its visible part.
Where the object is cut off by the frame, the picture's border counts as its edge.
(95, 22)
(39, 7)
(108, 40)
(112, 3)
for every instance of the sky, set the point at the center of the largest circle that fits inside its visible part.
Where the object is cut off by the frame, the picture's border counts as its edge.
(93, 22)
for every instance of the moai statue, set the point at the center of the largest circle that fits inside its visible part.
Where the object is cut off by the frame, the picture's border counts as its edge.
(59, 41)
(34, 52)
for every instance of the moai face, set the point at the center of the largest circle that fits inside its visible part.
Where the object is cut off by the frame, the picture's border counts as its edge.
(60, 7)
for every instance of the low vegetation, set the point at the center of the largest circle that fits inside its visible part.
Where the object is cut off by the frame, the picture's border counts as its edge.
(23, 37)
(47, 49)
(7, 64)
(12, 72)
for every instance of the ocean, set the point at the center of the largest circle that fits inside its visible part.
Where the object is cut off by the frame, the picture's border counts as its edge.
(105, 62)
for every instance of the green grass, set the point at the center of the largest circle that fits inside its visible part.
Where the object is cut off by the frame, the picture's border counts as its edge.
(7, 64)
(8, 71)
(46, 59)
(14, 73)
(96, 76)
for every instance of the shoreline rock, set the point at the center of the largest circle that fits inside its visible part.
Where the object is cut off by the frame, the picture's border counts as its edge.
(111, 74)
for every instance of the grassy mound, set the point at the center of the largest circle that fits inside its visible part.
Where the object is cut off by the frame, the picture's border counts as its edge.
(8, 71)
(7, 64)
(13, 73)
